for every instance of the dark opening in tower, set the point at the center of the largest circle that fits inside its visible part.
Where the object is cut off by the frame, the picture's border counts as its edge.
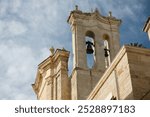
(106, 50)
(90, 49)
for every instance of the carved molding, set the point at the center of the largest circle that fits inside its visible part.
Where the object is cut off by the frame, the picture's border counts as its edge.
(49, 80)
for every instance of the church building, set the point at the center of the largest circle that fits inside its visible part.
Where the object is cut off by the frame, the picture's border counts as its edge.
(102, 70)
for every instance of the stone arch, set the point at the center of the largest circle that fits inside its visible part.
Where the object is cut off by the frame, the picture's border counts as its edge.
(106, 44)
(90, 37)
(106, 40)
(90, 34)
(105, 36)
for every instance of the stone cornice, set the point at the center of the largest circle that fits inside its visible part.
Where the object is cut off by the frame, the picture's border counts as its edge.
(83, 69)
(48, 61)
(146, 25)
(92, 16)
(54, 57)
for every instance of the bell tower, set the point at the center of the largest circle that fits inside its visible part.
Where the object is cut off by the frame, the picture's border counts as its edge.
(96, 36)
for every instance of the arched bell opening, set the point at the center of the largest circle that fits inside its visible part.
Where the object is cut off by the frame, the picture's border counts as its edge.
(106, 50)
(90, 49)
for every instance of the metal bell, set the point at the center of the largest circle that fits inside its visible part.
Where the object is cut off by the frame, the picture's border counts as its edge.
(106, 52)
(89, 49)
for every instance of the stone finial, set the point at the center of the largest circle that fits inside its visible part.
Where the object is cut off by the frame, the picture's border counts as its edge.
(97, 11)
(76, 7)
(63, 49)
(52, 50)
(110, 14)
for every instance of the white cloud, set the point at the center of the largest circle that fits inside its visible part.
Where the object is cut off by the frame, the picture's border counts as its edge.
(15, 5)
(19, 68)
(11, 28)
(120, 9)
(12, 6)
(3, 7)
(19, 71)
(16, 28)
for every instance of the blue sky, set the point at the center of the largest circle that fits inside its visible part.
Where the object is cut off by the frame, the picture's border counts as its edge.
(28, 28)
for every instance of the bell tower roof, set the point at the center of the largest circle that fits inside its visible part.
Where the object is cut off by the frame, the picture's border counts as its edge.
(78, 14)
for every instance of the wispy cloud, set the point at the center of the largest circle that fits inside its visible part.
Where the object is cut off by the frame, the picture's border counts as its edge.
(18, 69)
(120, 8)
(18, 65)
(11, 28)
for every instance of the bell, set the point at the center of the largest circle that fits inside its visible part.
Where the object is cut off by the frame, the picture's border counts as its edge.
(106, 52)
(89, 49)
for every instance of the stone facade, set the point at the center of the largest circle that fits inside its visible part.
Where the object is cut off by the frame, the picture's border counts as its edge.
(147, 27)
(123, 75)
(128, 76)
(52, 82)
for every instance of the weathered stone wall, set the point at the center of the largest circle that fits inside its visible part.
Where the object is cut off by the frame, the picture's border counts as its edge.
(139, 63)
(128, 77)
(83, 82)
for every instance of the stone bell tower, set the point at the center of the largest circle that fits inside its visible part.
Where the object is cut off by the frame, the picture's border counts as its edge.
(103, 45)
